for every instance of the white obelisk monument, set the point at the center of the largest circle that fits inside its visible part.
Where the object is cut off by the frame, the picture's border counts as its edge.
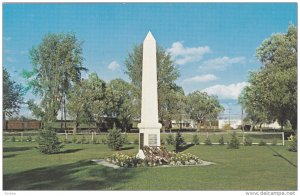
(149, 126)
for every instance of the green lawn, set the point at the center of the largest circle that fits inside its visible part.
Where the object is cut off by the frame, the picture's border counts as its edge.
(248, 168)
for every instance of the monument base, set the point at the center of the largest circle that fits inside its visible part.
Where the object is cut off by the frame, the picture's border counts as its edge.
(140, 154)
(149, 136)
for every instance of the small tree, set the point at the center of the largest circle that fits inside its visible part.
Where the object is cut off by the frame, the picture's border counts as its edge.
(115, 140)
(248, 141)
(207, 141)
(48, 142)
(234, 142)
(196, 140)
(221, 140)
(170, 140)
(179, 141)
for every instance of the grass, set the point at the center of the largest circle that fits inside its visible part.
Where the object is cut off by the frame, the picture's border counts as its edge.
(248, 168)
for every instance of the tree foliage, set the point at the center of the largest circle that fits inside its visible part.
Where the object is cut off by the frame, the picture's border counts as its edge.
(167, 73)
(48, 142)
(122, 105)
(272, 91)
(115, 140)
(12, 95)
(57, 64)
(202, 107)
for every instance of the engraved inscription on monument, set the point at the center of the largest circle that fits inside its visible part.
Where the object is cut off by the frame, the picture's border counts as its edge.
(141, 140)
(152, 140)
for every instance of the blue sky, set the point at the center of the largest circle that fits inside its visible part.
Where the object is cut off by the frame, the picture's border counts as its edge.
(212, 44)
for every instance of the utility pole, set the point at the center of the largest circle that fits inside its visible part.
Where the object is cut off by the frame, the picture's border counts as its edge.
(229, 109)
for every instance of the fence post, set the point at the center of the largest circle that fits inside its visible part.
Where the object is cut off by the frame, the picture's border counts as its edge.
(92, 137)
(282, 138)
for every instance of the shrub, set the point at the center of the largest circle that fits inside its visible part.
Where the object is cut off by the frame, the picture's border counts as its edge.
(293, 143)
(125, 139)
(115, 139)
(29, 139)
(170, 139)
(227, 127)
(262, 143)
(196, 140)
(234, 143)
(179, 141)
(13, 139)
(207, 141)
(221, 140)
(74, 139)
(103, 141)
(248, 141)
(83, 140)
(66, 141)
(136, 141)
(48, 142)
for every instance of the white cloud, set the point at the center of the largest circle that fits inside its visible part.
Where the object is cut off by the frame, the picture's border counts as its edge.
(221, 63)
(113, 65)
(182, 55)
(203, 78)
(231, 91)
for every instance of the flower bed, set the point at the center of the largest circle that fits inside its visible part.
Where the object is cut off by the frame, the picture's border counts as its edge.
(154, 156)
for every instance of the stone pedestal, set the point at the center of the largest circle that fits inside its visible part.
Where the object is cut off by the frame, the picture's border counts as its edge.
(149, 126)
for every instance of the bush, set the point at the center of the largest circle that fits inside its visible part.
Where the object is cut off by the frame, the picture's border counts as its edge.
(207, 141)
(170, 139)
(74, 139)
(179, 141)
(66, 141)
(221, 140)
(234, 142)
(293, 143)
(227, 127)
(29, 139)
(125, 139)
(104, 141)
(248, 141)
(262, 143)
(196, 140)
(83, 140)
(48, 142)
(13, 139)
(115, 139)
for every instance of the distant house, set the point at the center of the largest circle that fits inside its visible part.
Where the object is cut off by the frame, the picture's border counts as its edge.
(234, 123)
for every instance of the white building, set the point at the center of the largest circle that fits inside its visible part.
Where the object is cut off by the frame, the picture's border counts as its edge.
(234, 123)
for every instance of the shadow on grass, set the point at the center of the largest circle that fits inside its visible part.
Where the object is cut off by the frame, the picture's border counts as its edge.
(279, 155)
(82, 175)
(127, 148)
(70, 151)
(9, 156)
(183, 148)
(15, 149)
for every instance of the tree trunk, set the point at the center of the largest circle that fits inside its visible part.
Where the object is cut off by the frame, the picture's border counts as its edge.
(260, 128)
(251, 128)
(65, 114)
(198, 125)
